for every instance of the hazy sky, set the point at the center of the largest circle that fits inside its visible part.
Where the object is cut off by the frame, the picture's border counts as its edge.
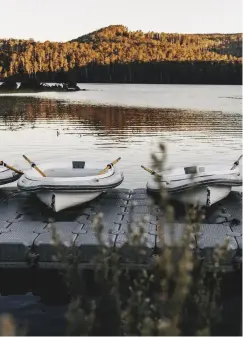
(63, 20)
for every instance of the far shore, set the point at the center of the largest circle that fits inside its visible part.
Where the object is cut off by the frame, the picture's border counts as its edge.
(34, 86)
(30, 91)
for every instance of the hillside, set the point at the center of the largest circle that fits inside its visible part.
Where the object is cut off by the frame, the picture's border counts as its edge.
(115, 54)
(185, 46)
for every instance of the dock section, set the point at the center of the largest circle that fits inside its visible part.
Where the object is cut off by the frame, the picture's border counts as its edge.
(26, 228)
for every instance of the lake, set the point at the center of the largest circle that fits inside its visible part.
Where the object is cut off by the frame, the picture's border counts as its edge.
(199, 124)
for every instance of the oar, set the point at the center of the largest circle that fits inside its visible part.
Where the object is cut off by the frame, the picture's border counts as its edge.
(236, 163)
(11, 167)
(151, 171)
(34, 166)
(154, 174)
(109, 166)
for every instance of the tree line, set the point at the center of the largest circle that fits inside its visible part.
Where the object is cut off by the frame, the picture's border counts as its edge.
(115, 54)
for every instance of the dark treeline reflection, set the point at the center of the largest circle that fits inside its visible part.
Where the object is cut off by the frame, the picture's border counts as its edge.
(26, 112)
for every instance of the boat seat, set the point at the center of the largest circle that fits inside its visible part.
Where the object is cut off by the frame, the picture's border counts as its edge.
(67, 173)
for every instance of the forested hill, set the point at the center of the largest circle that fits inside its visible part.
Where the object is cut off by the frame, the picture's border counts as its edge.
(115, 54)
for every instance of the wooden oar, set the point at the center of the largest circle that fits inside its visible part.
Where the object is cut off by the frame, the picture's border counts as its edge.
(11, 167)
(151, 171)
(109, 166)
(236, 163)
(34, 166)
(154, 174)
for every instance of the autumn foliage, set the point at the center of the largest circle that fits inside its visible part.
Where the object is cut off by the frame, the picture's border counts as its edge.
(115, 54)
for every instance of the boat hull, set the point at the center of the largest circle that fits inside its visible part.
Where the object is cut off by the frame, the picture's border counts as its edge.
(202, 196)
(58, 200)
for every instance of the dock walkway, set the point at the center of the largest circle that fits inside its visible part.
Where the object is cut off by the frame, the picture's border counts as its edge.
(26, 227)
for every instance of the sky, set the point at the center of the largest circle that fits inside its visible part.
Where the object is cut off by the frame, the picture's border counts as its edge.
(63, 20)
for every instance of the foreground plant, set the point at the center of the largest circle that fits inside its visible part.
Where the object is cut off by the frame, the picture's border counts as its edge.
(171, 292)
(7, 326)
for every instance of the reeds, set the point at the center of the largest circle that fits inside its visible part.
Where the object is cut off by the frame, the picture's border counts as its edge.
(172, 292)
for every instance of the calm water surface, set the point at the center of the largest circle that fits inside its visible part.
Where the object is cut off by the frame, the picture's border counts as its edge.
(198, 124)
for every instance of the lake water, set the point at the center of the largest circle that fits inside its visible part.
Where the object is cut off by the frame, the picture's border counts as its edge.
(199, 124)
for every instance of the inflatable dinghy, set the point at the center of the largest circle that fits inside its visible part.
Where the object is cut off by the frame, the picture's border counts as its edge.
(203, 185)
(70, 183)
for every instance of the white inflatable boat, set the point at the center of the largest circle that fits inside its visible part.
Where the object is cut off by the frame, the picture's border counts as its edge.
(69, 183)
(203, 185)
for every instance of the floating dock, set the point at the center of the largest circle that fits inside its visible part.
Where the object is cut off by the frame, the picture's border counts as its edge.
(26, 228)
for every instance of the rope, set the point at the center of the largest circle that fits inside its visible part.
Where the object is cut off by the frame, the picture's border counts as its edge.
(208, 203)
(53, 201)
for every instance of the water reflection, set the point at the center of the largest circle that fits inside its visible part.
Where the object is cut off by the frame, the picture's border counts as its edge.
(25, 112)
(47, 129)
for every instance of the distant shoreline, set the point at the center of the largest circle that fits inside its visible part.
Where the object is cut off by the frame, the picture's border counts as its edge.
(34, 86)
(56, 87)
(30, 91)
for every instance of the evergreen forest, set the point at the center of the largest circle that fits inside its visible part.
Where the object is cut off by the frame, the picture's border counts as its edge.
(116, 55)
